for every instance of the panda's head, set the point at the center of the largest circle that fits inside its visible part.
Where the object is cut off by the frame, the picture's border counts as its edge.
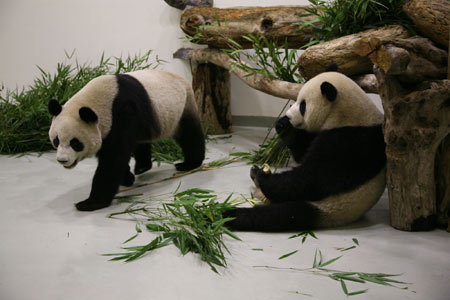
(74, 134)
(331, 100)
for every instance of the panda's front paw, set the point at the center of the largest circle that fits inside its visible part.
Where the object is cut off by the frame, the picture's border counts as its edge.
(282, 125)
(254, 173)
(90, 205)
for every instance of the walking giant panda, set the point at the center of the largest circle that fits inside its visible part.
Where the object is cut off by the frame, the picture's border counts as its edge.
(334, 132)
(117, 116)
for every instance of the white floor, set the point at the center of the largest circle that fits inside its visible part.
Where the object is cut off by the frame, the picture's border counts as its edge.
(48, 250)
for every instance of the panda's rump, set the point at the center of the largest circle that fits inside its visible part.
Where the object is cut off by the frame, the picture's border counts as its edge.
(348, 207)
(168, 96)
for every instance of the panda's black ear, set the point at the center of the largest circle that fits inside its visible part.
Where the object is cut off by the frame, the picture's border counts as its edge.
(333, 67)
(88, 115)
(54, 108)
(328, 90)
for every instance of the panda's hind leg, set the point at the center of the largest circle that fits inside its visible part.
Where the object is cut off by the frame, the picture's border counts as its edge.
(192, 142)
(128, 178)
(143, 158)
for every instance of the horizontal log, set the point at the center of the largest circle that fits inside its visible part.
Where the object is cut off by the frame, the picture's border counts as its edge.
(431, 17)
(214, 26)
(274, 87)
(316, 58)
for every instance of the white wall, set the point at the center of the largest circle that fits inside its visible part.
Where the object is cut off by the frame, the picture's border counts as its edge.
(36, 32)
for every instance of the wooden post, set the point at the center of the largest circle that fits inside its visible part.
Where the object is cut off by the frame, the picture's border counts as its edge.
(211, 86)
(416, 101)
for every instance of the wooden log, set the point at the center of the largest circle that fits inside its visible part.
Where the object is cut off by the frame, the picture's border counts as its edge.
(316, 58)
(214, 26)
(183, 4)
(431, 17)
(417, 120)
(274, 87)
(211, 85)
(416, 59)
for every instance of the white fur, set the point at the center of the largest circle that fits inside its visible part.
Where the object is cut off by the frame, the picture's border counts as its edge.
(169, 94)
(352, 106)
(98, 95)
(348, 207)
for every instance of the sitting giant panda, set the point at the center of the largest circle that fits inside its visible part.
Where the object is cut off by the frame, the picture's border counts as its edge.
(334, 132)
(117, 116)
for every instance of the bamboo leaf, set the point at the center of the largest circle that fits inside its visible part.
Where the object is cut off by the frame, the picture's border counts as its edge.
(321, 265)
(288, 254)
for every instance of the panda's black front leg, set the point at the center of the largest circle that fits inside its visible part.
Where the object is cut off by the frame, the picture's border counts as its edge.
(110, 173)
(281, 187)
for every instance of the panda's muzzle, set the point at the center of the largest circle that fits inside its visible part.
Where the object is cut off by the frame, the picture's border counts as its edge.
(69, 167)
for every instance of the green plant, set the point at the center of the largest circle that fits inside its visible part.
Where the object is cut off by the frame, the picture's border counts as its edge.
(320, 267)
(337, 18)
(24, 121)
(192, 222)
(268, 59)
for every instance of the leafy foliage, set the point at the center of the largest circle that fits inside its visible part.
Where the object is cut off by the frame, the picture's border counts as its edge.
(268, 59)
(192, 222)
(337, 18)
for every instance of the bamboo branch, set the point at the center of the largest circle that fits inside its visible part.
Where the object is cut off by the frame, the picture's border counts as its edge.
(274, 87)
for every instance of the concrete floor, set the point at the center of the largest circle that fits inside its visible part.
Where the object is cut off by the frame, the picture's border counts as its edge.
(48, 250)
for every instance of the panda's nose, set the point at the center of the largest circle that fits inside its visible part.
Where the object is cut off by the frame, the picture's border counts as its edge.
(62, 161)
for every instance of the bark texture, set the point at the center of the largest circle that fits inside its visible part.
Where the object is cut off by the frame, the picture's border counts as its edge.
(216, 26)
(274, 87)
(211, 86)
(417, 121)
(316, 58)
(431, 17)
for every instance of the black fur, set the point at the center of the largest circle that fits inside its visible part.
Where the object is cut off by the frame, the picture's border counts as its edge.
(133, 122)
(192, 141)
(328, 90)
(333, 67)
(331, 162)
(54, 108)
(88, 115)
(143, 158)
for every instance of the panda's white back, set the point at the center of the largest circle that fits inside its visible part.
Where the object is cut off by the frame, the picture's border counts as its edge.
(168, 95)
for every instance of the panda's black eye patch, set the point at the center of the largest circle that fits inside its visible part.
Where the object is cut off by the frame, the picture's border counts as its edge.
(302, 107)
(56, 142)
(76, 145)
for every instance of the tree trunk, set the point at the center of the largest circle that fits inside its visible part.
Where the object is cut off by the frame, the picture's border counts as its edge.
(417, 120)
(274, 87)
(432, 18)
(316, 58)
(443, 183)
(211, 86)
(215, 26)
